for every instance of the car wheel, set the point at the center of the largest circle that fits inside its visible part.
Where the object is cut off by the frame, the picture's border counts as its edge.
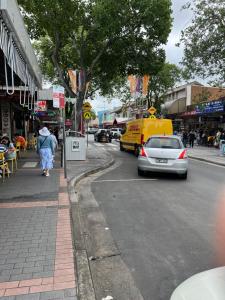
(141, 172)
(183, 176)
(121, 147)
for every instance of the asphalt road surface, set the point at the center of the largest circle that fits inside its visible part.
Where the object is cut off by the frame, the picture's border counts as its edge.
(163, 226)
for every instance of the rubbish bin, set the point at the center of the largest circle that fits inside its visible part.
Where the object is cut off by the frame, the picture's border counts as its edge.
(76, 148)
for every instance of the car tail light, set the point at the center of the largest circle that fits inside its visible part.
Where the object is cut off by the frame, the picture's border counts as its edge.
(183, 155)
(142, 139)
(143, 153)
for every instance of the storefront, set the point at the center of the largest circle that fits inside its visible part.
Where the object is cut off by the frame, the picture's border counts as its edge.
(20, 76)
(207, 115)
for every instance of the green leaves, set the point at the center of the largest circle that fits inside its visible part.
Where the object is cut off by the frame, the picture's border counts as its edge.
(105, 38)
(204, 40)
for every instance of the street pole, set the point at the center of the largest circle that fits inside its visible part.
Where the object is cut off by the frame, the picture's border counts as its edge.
(75, 127)
(87, 133)
(64, 145)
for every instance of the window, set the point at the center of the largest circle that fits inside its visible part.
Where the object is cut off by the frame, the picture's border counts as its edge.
(163, 142)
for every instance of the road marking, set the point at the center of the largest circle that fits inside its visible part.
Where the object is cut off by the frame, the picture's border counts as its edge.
(98, 145)
(126, 180)
(30, 164)
(112, 145)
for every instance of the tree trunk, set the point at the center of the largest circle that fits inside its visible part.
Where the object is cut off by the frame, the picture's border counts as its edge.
(78, 111)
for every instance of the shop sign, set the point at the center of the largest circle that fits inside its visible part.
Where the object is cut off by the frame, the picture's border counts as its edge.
(210, 107)
(6, 125)
(49, 113)
(40, 106)
(68, 122)
(75, 145)
(188, 113)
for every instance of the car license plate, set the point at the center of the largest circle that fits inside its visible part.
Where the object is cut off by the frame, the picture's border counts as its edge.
(162, 160)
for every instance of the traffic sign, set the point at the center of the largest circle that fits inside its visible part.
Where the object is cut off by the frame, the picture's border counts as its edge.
(87, 115)
(87, 106)
(152, 110)
(152, 117)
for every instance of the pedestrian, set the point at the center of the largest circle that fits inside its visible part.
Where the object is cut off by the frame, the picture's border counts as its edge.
(54, 139)
(56, 133)
(222, 144)
(191, 138)
(20, 139)
(198, 137)
(217, 139)
(45, 149)
(55, 143)
(185, 138)
(60, 136)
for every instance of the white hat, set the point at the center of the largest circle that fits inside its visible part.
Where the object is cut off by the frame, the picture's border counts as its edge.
(44, 131)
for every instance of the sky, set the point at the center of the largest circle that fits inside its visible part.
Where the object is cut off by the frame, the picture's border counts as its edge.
(173, 54)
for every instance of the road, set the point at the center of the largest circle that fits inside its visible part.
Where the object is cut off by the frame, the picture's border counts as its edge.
(163, 226)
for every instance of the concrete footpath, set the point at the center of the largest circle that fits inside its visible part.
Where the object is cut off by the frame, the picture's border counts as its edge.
(37, 253)
(207, 154)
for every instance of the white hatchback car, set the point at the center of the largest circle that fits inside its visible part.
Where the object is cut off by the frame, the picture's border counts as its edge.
(164, 154)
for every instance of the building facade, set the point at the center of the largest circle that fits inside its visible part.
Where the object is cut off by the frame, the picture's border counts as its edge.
(195, 106)
(20, 76)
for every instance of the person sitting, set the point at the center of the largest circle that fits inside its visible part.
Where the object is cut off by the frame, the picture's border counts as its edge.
(10, 151)
(20, 139)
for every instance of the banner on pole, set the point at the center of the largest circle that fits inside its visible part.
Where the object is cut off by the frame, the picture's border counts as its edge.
(145, 85)
(132, 80)
(73, 80)
(58, 96)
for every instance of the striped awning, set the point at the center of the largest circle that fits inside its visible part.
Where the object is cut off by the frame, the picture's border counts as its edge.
(13, 57)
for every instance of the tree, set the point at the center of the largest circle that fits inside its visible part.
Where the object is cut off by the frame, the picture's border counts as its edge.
(105, 39)
(159, 84)
(204, 40)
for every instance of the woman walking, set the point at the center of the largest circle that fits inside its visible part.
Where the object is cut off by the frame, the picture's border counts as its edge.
(45, 149)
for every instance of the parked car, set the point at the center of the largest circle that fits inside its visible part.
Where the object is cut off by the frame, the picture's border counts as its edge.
(207, 285)
(103, 135)
(116, 132)
(163, 154)
(92, 130)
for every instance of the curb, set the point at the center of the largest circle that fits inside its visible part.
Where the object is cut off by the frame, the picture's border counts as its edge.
(74, 181)
(85, 288)
(207, 160)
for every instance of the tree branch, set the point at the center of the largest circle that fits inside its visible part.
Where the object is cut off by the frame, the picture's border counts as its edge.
(55, 59)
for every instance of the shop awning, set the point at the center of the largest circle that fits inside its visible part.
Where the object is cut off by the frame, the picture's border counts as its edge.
(175, 106)
(16, 46)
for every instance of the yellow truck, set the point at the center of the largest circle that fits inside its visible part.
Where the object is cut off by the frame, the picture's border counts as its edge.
(140, 130)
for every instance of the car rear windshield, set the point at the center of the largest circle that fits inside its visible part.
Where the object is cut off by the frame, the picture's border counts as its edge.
(163, 142)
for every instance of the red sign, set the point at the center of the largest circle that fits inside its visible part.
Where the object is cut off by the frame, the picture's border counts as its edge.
(58, 96)
(68, 122)
(40, 106)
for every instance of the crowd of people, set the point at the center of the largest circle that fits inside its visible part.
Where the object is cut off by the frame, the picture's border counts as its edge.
(203, 138)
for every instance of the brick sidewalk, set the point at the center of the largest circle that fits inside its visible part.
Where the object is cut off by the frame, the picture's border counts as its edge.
(36, 250)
